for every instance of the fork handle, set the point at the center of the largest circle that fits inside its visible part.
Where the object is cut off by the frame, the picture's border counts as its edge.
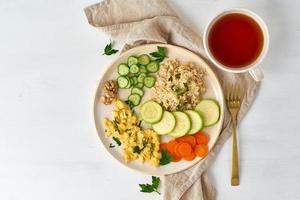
(235, 157)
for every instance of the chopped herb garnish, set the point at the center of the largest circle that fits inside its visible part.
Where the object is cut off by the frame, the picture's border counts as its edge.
(108, 50)
(111, 145)
(138, 150)
(160, 54)
(148, 188)
(140, 123)
(166, 158)
(117, 141)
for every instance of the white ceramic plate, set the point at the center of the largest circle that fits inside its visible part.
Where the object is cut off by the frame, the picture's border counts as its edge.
(101, 111)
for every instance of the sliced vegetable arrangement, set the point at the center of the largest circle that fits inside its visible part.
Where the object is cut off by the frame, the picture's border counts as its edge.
(178, 124)
(187, 147)
(136, 74)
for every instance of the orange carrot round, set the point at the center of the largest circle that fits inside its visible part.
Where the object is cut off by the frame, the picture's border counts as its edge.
(170, 146)
(190, 157)
(202, 138)
(184, 149)
(162, 146)
(201, 150)
(188, 139)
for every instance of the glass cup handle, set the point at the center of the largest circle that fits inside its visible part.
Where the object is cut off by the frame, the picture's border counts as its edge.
(257, 74)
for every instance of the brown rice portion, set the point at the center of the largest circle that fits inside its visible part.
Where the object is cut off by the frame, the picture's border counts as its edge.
(179, 86)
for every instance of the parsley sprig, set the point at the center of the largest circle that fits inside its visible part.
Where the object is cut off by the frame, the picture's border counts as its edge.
(166, 158)
(148, 188)
(118, 142)
(108, 50)
(160, 54)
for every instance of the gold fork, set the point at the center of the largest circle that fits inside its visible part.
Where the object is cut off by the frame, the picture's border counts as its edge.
(233, 100)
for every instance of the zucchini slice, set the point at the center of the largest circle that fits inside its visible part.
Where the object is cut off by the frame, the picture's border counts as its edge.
(183, 124)
(196, 121)
(151, 112)
(138, 91)
(209, 111)
(166, 124)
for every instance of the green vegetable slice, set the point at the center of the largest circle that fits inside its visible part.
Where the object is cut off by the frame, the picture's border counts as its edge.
(141, 77)
(132, 60)
(151, 112)
(152, 67)
(123, 82)
(196, 121)
(134, 69)
(144, 59)
(138, 91)
(209, 111)
(166, 124)
(135, 99)
(123, 69)
(149, 81)
(183, 124)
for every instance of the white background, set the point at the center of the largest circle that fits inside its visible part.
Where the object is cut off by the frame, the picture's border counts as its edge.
(50, 60)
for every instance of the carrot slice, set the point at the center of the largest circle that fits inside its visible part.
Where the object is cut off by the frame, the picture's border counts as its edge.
(184, 149)
(176, 152)
(176, 158)
(170, 146)
(190, 157)
(188, 139)
(162, 146)
(201, 150)
(202, 138)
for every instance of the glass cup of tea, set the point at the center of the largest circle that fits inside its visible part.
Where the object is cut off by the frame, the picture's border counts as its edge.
(236, 41)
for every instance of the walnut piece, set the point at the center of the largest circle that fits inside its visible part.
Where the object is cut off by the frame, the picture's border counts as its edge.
(108, 98)
(110, 86)
(110, 89)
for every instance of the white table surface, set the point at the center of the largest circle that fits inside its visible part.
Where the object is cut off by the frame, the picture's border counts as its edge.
(50, 60)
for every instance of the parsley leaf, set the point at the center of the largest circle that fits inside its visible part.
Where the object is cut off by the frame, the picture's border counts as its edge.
(108, 50)
(166, 158)
(148, 188)
(160, 54)
(138, 150)
(117, 141)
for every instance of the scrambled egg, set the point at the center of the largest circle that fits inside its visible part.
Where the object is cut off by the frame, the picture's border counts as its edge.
(138, 143)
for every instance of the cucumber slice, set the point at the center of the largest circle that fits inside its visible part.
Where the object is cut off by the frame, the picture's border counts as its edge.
(134, 69)
(151, 112)
(166, 124)
(152, 67)
(143, 69)
(183, 124)
(135, 99)
(196, 121)
(149, 81)
(209, 111)
(134, 80)
(141, 77)
(123, 69)
(139, 85)
(144, 59)
(138, 91)
(129, 83)
(132, 60)
(123, 81)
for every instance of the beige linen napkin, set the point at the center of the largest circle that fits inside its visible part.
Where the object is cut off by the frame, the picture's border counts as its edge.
(153, 21)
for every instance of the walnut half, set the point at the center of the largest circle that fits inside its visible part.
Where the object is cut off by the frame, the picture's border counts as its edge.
(110, 89)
